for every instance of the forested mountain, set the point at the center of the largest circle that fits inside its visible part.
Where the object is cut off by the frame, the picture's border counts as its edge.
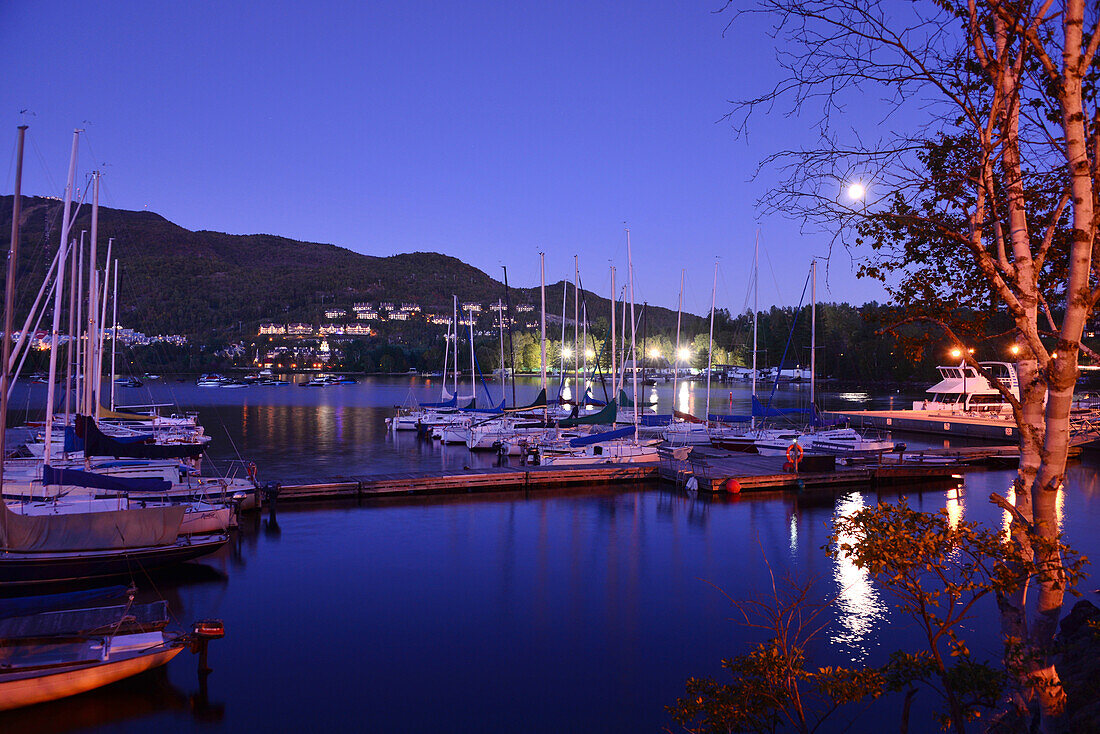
(211, 285)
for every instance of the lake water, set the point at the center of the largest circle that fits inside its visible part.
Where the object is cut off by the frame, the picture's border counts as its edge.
(570, 611)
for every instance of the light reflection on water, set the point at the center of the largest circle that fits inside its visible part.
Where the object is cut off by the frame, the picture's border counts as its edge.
(956, 506)
(861, 610)
(683, 398)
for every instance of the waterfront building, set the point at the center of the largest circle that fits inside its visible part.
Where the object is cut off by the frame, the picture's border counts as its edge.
(272, 329)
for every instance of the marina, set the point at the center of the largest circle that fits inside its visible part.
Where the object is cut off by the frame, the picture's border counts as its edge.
(285, 449)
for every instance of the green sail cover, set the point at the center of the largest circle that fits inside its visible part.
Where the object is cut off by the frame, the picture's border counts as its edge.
(604, 417)
(540, 402)
(627, 402)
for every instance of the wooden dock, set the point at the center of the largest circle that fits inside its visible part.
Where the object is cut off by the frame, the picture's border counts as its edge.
(485, 479)
(742, 472)
(713, 472)
(1085, 427)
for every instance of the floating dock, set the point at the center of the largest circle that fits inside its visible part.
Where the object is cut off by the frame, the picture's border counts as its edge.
(939, 424)
(1084, 427)
(749, 471)
(709, 471)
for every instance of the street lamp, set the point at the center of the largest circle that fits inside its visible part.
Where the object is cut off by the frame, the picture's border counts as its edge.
(1015, 349)
(856, 191)
(684, 354)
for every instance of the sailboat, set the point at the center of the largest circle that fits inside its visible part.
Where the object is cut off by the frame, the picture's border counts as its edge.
(842, 441)
(685, 429)
(45, 548)
(620, 445)
(59, 645)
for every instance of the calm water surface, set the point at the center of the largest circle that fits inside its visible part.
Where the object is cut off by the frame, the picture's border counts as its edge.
(581, 611)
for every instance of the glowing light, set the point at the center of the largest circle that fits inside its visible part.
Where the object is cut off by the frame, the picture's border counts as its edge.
(956, 353)
(684, 354)
(566, 352)
(589, 354)
(857, 191)
(654, 353)
(1015, 349)
(1054, 355)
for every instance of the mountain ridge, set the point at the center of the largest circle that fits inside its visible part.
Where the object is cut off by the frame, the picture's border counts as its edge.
(215, 285)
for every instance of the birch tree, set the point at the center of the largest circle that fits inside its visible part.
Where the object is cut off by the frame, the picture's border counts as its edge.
(980, 173)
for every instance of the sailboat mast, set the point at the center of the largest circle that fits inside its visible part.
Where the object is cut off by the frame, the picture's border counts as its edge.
(473, 368)
(500, 317)
(755, 313)
(511, 346)
(56, 326)
(561, 367)
(633, 332)
(9, 307)
(576, 325)
(622, 348)
(455, 297)
(813, 332)
(89, 352)
(710, 348)
(446, 362)
(676, 363)
(614, 372)
(71, 347)
(584, 341)
(101, 333)
(81, 346)
(542, 322)
(114, 335)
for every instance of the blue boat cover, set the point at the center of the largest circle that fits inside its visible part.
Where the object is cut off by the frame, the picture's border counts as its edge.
(97, 443)
(452, 403)
(80, 478)
(601, 437)
(73, 443)
(655, 420)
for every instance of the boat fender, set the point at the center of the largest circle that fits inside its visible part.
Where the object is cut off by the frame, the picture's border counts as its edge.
(692, 484)
(788, 467)
(251, 467)
(733, 486)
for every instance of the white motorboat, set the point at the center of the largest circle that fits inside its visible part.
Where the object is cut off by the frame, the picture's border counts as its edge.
(963, 389)
(846, 442)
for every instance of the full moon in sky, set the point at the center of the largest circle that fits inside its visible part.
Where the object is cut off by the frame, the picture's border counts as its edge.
(856, 191)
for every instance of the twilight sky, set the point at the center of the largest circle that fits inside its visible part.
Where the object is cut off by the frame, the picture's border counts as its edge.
(484, 130)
